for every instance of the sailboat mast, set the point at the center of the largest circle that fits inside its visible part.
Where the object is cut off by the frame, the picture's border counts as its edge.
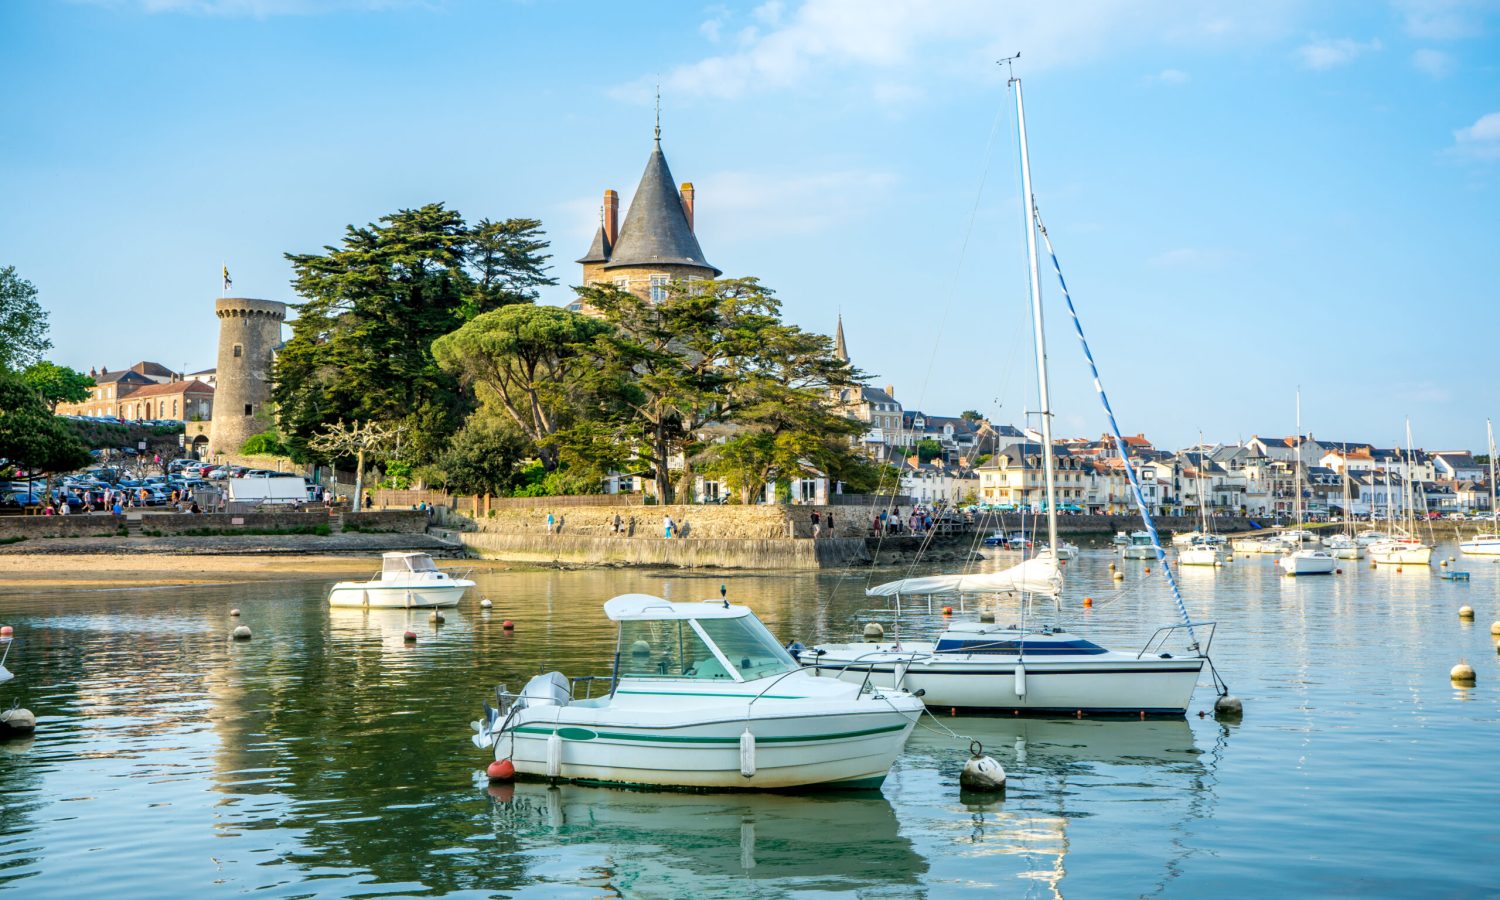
(1489, 429)
(1048, 463)
(1297, 471)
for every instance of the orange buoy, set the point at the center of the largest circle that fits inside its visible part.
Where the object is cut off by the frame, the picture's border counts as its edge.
(1338, 571)
(6, 631)
(501, 770)
(508, 625)
(1148, 570)
(947, 610)
(1398, 568)
(953, 711)
(410, 637)
(1088, 602)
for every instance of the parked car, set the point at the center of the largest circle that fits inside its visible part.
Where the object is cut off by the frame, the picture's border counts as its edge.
(18, 500)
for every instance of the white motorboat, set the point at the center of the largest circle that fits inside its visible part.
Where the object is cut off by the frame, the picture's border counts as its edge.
(1140, 546)
(1202, 553)
(1298, 537)
(1307, 562)
(1065, 551)
(1120, 539)
(405, 581)
(1255, 545)
(1187, 538)
(1366, 538)
(702, 696)
(1342, 546)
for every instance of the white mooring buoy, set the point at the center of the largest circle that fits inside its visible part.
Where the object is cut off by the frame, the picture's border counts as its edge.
(437, 618)
(241, 632)
(17, 721)
(486, 603)
(1463, 673)
(1495, 629)
(874, 631)
(980, 772)
(1466, 612)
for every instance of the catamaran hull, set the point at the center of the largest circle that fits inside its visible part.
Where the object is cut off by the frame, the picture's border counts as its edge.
(355, 594)
(847, 751)
(1117, 687)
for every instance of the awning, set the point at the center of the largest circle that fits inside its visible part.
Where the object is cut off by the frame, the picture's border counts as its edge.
(1034, 576)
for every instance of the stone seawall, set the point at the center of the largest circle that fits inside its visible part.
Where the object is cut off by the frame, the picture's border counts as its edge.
(686, 553)
(169, 523)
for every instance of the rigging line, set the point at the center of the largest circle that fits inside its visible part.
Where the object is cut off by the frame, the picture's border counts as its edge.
(1114, 427)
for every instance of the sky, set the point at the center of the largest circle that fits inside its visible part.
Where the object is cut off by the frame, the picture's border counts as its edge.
(1247, 199)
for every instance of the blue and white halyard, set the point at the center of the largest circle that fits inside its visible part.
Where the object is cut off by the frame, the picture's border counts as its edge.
(1024, 667)
(702, 697)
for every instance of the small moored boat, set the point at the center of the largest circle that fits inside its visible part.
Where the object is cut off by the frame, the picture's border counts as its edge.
(702, 696)
(405, 581)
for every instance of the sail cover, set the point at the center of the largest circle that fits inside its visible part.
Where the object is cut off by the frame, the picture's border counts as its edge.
(1041, 575)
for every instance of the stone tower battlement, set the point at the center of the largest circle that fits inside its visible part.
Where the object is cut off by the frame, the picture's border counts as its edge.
(249, 333)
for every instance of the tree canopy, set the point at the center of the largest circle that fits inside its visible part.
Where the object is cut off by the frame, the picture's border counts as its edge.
(32, 439)
(361, 347)
(56, 384)
(23, 322)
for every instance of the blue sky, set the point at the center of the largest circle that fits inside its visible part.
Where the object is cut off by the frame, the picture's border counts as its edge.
(1246, 197)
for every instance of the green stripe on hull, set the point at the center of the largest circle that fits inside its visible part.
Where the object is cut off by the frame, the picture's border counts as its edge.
(570, 733)
(711, 694)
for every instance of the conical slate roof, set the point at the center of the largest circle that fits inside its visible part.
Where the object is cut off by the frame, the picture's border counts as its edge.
(598, 250)
(656, 228)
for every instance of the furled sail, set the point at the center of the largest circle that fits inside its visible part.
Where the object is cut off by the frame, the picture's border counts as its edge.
(1041, 575)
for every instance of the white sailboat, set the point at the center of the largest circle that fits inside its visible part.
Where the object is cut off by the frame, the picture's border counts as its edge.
(1301, 558)
(1405, 549)
(1036, 668)
(1343, 545)
(1203, 547)
(702, 696)
(1487, 544)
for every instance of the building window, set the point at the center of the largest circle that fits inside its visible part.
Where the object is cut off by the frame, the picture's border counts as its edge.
(658, 288)
(248, 410)
(238, 351)
(622, 283)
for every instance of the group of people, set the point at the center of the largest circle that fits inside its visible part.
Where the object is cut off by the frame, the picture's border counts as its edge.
(115, 501)
(918, 521)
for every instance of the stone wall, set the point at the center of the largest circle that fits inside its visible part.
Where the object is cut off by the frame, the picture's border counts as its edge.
(395, 521)
(58, 526)
(723, 553)
(694, 522)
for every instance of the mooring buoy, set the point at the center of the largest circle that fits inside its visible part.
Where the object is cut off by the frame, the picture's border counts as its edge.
(241, 633)
(1463, 673)
(17, 721)
(234, 613)
(437, 617)
(874, 631)
(508, 625)
(1495, 629)
(980, 772)
(485, 603)
(1228, 707)
(501, 770)
(1466, 612)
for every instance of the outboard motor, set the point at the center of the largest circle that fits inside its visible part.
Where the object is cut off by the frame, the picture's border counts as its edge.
(550, 689)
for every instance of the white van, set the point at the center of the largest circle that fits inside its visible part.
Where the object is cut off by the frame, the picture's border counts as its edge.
(271, 490)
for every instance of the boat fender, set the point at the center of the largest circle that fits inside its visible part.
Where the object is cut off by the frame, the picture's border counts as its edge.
(981, 773)
(747, 753)
(554, 755)
(1020, 681)
(501, 770)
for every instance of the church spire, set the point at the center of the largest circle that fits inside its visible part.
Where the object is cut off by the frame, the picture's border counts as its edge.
(658, 116)
(840, 349)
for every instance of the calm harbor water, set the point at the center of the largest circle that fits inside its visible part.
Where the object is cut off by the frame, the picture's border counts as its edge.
(328, 758)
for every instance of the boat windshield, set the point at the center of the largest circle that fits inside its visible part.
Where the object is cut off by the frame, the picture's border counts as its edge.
(675, 648)
(747, 644)
(400, 565)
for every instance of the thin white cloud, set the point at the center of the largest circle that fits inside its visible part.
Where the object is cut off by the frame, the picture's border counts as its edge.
(1323, 55)
(896, 41)
(739, 205)
(1171, 77)
(1445, 20)
(1432, 63)
(1480, 140)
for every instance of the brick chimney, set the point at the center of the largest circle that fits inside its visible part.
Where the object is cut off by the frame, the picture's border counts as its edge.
(611, 218)
(687, 202)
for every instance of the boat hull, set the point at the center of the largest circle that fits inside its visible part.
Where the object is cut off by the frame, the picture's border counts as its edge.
(1139, 552)
(1200, 556)
(1481, 547)
(1400, 556)
(1119, 684)
(422, 597)
(1306, 565)
(813, 750)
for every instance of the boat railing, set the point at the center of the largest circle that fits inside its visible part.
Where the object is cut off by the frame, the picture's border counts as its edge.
(1158, 639)
(909, 657)
(588, 681)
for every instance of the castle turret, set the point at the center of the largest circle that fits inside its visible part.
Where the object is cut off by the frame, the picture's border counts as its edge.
(249, 333)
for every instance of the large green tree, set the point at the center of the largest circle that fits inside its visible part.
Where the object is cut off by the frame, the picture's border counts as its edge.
(536, 365)
(361, 347)
(23, 322)
(56, 384)
(32, 439)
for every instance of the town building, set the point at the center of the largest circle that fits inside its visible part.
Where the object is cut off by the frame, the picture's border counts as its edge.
(146, 390)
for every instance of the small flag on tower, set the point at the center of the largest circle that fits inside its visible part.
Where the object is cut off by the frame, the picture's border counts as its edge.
(227, 283)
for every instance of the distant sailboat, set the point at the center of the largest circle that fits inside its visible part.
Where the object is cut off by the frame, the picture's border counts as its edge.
(1487, 544)
(1405, 549)
(1302, 559)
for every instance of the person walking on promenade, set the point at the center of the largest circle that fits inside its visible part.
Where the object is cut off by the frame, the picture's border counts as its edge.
(828, 520)
(618, 525)
(817, 525)
(668, 525)
(550, 523)
(369, 500)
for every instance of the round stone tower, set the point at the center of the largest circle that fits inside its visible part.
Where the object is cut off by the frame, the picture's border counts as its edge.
(249, 333)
